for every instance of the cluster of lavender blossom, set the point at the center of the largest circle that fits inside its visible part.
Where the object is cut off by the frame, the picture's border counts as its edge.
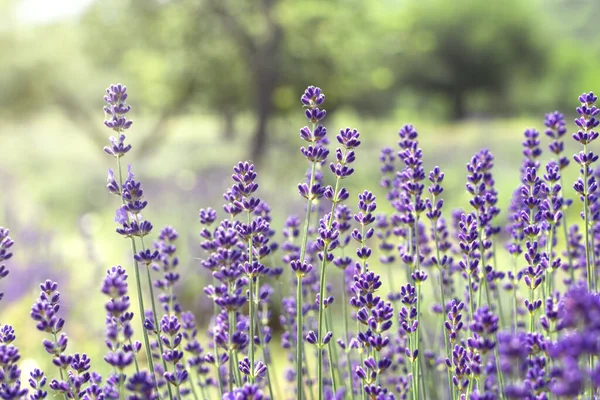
(447, 313)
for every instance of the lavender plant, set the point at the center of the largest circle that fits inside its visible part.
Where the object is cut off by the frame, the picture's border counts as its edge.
(379, 342)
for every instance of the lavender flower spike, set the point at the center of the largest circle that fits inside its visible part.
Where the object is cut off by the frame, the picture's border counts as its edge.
(10, 374)
(5, 244)
(587, 186)
(131, 193)
(315, 152)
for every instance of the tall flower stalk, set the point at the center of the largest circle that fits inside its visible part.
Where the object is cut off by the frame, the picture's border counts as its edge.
(5, 253)
(556, 129)
(116, 119)
(434, 213)
(410, 179)
(586, 185)
(328, 234)
(315, 153)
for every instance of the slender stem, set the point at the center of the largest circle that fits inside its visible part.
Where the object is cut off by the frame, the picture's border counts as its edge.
(155, 314)
(178, 392)
(586, 223)
(565, 232)
(60, 371)
(232, 363)
(515, 300)
(237, 370)
(471, 305)
(139, 289)
(419, 325)
(299, 336)
(322, 284)
(498, 369)
(202, 388)
(308, 377)
(362, 357)
(264, 351)
(417, 344)
(531, 322)
(299, 356)
(330, 354)
(346, 335)
(483, 266)
(193, 388)
(216, 347)
(549, 272)
(498, 294)
(137, 367)
(251, 303)
(414, 380)
(443, 298)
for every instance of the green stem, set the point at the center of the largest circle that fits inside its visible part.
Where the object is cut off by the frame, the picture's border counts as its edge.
(332, 353)
(498, 369)
(566, 233)
(498, 295)
(483, 266)
(155, 314)
(515, 300)
(308, 377)
(139, 288)
(362, 357)
(202, 388)
(232, 363)
(443, 298)
(217, 359)
(323, 282)
(470, 277)
(60, 371)
(137, 367)
(586, 223)
(299, 339)
(178, 393)
(417, 344)
(193, 388)
(346, 336)
(251, 304)
(419, 326)
(237, 370)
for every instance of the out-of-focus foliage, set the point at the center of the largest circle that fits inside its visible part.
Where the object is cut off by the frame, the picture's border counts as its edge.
(234, 57)
(240, 57)
(461, 48)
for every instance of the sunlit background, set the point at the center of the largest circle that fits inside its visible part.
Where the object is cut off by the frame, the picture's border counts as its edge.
(213, 82)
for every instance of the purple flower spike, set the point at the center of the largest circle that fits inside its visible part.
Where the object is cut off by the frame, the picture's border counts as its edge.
(5, 245)
(117, 108)
(10, 388)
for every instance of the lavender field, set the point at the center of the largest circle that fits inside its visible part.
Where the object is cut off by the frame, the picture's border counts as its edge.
(308, 200)
(347, 293)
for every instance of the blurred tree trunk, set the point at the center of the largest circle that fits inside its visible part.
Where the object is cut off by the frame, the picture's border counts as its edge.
(459, 109)
(266, 72)
(263, 58)
(228, 133)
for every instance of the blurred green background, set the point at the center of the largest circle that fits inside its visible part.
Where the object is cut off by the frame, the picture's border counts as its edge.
(213, 82)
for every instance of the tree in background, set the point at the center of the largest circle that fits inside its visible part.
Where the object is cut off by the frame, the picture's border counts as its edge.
(251, 57)
(464, 47)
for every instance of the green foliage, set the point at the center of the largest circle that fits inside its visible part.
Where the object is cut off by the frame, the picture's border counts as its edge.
(464, 57)
(464, 47)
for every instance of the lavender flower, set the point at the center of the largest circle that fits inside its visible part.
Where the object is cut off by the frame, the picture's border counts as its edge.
(586, 186)
(119, 333)
(73, 369)
(37, 382)
(132, 224)
(10, 374)
(5, 244)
